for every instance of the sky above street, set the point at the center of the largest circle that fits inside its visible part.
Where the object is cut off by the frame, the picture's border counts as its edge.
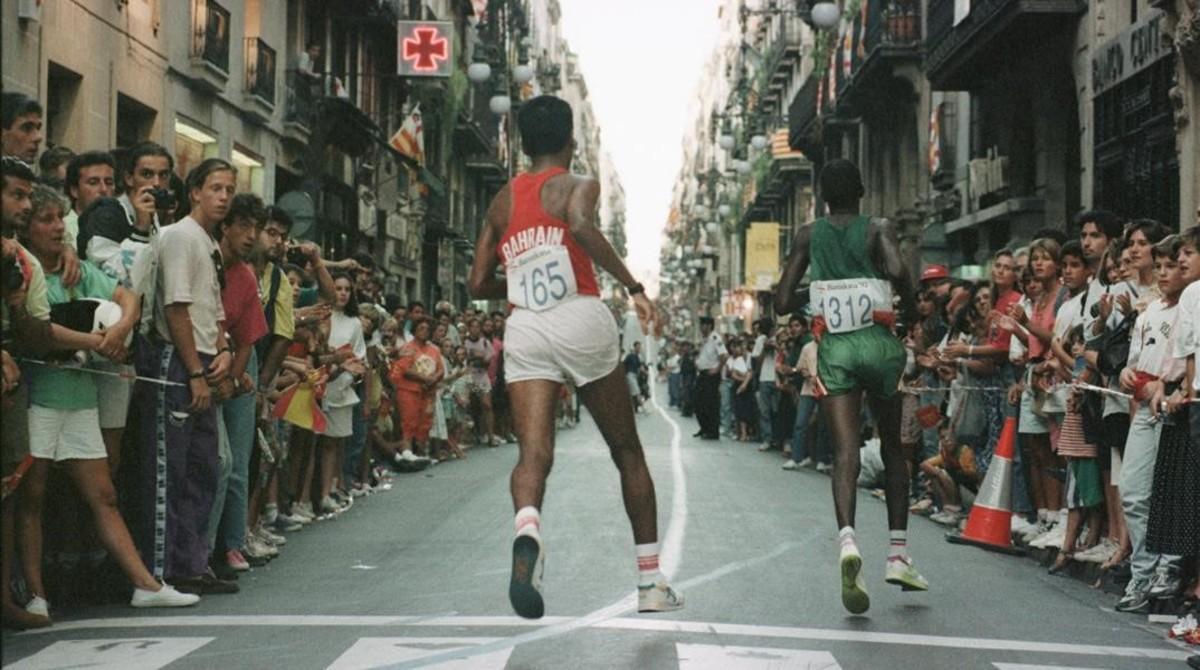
(642, 60)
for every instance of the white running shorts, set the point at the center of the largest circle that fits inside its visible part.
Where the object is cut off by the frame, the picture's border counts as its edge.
(65, 434)
(112, 394)
(574, 341)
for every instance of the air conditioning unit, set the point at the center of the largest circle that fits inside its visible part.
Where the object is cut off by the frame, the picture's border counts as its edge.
(29, 10)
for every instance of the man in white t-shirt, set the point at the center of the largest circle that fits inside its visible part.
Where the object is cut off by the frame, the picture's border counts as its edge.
(709, 363)
(674, 375)
(187, 346)
(763, 356)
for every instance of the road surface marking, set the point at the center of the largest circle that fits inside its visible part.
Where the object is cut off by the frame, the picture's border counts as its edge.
(720, 657)
(143, 653)
(672, 547)
(376, 652)
(1025, 666)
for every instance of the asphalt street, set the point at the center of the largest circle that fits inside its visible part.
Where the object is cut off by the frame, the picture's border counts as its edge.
(417, 577)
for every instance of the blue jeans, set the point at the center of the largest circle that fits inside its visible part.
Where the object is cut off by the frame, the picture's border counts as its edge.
(727, 406)
(767, 401)
(240, 424)
(805, 406)
(674, 386)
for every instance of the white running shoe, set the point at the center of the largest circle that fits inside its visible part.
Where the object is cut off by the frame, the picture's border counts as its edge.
(1019, 526)
(1099, 553)
(789, 464)
(805, 463)
(38, 606)
(525, 586)
(659, 597)
(166, 596)
(902, 572)
(854, 587)
(1051, 539)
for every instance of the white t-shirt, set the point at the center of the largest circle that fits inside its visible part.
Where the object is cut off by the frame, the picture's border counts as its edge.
(188, 275)
(344, 330)
(711, 352)
(739, 365)
(1186, 341)
(673, 364)
(1150, 348)
(766, 373)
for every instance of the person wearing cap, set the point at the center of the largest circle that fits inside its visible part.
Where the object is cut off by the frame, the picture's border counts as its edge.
(936, 277)
(709, 362)
(855, 266)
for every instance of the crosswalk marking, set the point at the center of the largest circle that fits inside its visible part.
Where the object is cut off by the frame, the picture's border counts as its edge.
(376, 652)
(145, 653)
(721, 657)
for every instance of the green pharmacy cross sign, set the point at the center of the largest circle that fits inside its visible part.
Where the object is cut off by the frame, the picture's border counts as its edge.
(425, 48)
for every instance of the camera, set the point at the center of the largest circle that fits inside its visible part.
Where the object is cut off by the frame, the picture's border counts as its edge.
(11, 278)
(164, 199)
(295, 256)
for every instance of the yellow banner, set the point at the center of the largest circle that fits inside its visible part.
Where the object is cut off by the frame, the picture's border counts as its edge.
(762, 255)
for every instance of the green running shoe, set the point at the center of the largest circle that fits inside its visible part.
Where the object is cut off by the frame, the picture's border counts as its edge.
(902, 572)
(854, 588)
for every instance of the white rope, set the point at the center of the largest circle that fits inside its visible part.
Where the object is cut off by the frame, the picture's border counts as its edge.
(991, 389)
(128, 376)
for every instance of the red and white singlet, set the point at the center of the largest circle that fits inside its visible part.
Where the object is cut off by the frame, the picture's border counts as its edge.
(544, 264)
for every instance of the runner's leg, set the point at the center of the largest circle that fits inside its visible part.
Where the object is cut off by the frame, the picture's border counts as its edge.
(842, 414)
(533, 417)
(887, 422)
(612, 408)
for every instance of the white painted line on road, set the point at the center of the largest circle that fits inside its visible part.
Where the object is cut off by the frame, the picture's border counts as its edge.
(720, 657)
(641, 624)
(377, 652)
(143, 653)
(1025, 666)
(671, 554)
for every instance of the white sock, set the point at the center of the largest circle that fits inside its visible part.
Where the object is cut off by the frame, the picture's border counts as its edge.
(846, 536)
(647, 562)
(898, 544)
(528, 522)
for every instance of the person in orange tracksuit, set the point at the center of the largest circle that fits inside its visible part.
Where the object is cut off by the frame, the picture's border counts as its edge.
(416, 373)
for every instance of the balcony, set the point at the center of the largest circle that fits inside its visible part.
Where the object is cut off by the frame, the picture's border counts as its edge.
(890, 39)
(477, 135)
(964, 50)
(210, 45)
(260, 79)
(781, 56)
(803, 117)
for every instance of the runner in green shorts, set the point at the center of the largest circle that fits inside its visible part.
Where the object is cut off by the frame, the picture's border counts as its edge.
(855, 269)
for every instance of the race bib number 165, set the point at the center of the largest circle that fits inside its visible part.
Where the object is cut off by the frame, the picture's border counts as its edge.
(541, 278)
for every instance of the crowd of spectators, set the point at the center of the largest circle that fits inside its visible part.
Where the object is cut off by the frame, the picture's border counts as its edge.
(202, 384)
(1089, 343)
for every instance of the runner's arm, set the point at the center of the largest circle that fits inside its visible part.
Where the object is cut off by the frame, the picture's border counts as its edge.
(793, 272)
(581, 217)
(483, 282)
(886, 253)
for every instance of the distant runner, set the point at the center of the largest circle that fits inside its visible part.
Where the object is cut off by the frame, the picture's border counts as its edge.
(542, 228)
(855, 264)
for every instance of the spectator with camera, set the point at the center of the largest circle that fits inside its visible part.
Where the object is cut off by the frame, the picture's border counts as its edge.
(64, 423)
(178, 423)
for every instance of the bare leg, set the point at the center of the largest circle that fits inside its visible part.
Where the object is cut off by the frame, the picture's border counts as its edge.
(112, 445)
(328, 447)
(887, 413)
(489, 417)
(95, 484)
(609, 402)
(309, 470)
(842, 414)
(33, 493)
(533, 417)
(1032, 456)
(13, 616)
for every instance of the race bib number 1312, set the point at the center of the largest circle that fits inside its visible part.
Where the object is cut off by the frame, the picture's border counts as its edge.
(541, 278)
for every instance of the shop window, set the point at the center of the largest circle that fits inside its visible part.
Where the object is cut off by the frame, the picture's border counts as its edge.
(192, 145)
(135, 121)
(250, 177)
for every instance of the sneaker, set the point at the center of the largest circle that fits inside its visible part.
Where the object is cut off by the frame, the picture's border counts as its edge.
(1165, 584)
(922, 506)
(1036, 529)
(330, 506)
(1099, 553)
(854, 588)
(805, 463)
(270, 513)
(257, 548)
(902, 572)
(304, 510)
(38, 606)
(285, 524)
(235, 560)
(265, 533)
(1135, 600)
(658, 597)
(789, 464)
(1051, 539)
(824, 468)
(166, 596)
(525, 587)
(1020, 526)
(945, 517)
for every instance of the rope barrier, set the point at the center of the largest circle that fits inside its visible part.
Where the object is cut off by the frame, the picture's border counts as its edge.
(909, 390)
(128, 376)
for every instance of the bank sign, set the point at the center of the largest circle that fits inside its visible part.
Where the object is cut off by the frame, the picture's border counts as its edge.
(1137, 47)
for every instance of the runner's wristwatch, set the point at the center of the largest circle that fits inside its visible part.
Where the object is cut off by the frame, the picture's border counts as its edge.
(636, 289)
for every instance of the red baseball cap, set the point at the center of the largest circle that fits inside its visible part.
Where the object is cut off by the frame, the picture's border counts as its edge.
(933, 272)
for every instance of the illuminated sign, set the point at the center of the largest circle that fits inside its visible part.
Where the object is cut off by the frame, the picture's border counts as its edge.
(425, 49)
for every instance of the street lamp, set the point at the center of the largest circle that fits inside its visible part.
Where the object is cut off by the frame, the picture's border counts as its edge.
(759, 141)
(713, 228)
(500, 104)
(479, 72)
(700, 211)
(741, 166)
(724, 210)
(825, 14)
(523, 74)
(726, 141)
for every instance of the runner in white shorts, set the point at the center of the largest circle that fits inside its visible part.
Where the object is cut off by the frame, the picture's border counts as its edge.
(542, 228)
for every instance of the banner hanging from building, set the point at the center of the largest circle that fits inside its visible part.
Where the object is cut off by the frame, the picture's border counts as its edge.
(935, 139)
(762, 255)
(410, 139)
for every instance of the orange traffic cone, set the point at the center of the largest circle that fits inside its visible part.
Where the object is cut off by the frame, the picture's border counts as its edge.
(990, 523)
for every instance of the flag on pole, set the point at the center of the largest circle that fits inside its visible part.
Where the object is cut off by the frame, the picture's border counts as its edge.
(832, 86)
(410, 139)
(862, 31)
(935, 140)
(848, 53)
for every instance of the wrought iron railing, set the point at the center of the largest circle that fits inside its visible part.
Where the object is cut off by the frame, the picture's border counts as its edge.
(210, 33)
(260, 69)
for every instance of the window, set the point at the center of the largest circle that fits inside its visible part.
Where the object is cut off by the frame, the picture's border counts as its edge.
(62, 89)
(134, 121)
(192, 145)
(250, 171)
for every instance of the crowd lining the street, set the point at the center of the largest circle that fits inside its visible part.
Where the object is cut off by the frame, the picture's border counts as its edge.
(1109, 478)
(273, 387)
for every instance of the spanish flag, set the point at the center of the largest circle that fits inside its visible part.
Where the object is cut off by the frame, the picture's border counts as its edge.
(301, 404)
(410, 139)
